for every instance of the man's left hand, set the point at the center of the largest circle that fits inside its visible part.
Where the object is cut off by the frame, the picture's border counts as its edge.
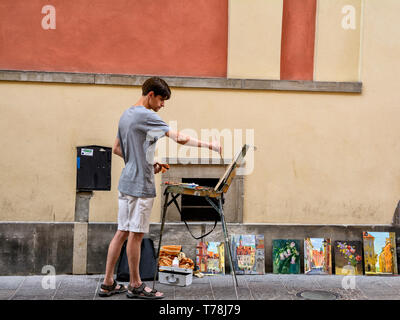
(160, 167)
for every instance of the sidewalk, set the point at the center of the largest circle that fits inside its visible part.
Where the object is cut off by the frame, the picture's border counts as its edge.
(251, 287)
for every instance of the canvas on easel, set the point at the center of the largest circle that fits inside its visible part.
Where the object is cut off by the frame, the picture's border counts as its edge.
(230, 172)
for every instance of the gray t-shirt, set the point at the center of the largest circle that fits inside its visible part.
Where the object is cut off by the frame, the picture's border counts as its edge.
(138, 131)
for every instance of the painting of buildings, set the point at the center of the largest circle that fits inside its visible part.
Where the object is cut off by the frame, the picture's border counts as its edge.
(348, 257)
(379, 253)
(317, 256)
(260, 254)
(210, 257)
(286, 256)
(248, 254)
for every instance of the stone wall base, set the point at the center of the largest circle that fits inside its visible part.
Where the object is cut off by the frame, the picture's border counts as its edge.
(26, 247)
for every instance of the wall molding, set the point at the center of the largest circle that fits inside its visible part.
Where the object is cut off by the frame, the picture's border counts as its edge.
(181, 82)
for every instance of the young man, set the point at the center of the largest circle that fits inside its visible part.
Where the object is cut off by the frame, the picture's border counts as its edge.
(138, 131)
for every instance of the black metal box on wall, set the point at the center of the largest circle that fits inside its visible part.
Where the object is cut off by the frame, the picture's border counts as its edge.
(93, 168)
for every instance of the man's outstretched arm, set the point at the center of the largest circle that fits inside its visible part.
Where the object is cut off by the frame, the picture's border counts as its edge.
(184, 139)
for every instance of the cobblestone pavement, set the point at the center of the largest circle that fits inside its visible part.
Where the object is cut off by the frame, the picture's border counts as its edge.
(218, 287)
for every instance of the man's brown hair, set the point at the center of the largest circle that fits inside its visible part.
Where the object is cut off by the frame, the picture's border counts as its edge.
(158, 86)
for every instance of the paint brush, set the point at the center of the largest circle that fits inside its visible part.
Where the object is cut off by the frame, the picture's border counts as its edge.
(219, 152)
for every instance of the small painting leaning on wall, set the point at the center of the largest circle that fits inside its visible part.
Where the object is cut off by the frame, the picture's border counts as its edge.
(317, 256)
(210, 257)
(379, 253)
(248, 253)
(348, 257)
(286, 256)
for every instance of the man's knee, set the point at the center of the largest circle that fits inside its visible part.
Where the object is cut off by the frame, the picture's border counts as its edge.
(136, 236)
(122, 235)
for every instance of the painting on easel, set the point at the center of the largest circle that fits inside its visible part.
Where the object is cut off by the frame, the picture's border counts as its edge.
(317, 256)
(210, 257)
(379, 253)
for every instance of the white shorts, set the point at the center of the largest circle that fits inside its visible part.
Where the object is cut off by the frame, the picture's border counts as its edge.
(134, 213)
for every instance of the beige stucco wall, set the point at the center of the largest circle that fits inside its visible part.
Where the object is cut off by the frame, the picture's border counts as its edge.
(322, 158)
(337, 40)
(41, 126)
(254, 44)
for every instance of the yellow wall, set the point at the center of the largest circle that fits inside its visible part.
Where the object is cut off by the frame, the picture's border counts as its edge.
(254, 43)
(322, 158)
(337, 40)
(41, 126)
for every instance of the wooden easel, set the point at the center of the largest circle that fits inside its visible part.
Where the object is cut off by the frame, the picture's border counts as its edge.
(208, 193)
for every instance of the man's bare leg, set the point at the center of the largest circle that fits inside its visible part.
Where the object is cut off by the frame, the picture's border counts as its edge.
(114, 251)
(133, 253)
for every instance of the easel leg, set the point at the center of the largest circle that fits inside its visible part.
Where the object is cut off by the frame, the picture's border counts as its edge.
(228, 246)
(161, 232)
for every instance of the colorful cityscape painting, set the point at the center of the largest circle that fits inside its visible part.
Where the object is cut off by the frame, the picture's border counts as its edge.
(286, 256)
(379, 253)
(248, 253)
(348, 257)
(210, 257)
(317, 256)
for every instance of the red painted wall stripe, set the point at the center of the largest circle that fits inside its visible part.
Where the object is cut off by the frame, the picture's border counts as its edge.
(173, 37)
(298, 39)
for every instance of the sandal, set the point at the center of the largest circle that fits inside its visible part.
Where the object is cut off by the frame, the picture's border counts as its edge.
(111, 289)
(141, 293)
